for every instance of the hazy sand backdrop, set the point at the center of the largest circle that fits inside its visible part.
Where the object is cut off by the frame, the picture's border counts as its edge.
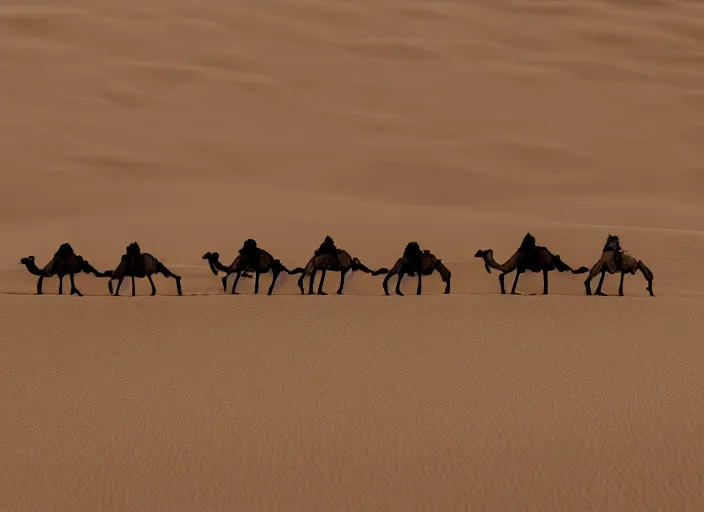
(191, 125)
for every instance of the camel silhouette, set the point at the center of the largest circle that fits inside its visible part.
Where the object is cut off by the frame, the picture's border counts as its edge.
(65, 262)
(135, 263)
(250, 259)
(615, 260)
(330, 258)
(415, 261)
(528, 257)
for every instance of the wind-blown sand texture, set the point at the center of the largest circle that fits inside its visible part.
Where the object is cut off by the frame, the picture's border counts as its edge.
(190, 126)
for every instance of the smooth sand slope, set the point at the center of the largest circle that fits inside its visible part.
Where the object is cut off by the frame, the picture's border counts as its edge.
(190, 126)
(353, 403)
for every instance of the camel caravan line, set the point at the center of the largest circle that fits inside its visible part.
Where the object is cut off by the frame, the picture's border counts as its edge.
(414, 262)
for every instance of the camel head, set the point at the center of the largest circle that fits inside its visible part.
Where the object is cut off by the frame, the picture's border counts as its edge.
(212, 257)
(483, 254)
(32, 267)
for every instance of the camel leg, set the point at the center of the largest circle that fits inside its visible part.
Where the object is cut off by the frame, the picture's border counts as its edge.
(256, 283)
(515, 283)
(224, 282)
(420, 284)
(39, 285)
(620, 286)
(300, 282)
(343, 273)
(320, 285)
(149, 276)
(119, 283)
(312, 280)
(74, 290)
(398, 284)
(160, 267)
(592, 274)
(385, 284)
(234, 285)
(133, 287)
(502, 276)
(447, 286)
(274, 277)
(61, 285)
(601, 282)
(545, 282)
(648, 275)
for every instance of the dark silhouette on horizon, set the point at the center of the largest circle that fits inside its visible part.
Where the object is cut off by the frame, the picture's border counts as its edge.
(137, 264)
(528, 257)
(326, 258)
(415, 261)
(615, 260)
(65, 262)
(251, 258)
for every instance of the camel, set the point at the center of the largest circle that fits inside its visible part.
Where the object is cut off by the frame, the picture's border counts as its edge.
(329, 258)
(65, 262)
(614, 260)
(528, 257)
(135, 263)
(250, 259)
(414, 261)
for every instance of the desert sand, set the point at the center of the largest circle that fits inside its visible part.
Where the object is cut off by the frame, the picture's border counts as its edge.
(191, 126)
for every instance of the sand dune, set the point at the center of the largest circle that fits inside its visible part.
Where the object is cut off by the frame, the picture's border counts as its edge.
(191, 126)
(352, 403)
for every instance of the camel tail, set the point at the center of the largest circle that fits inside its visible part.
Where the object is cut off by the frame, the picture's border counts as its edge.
(358, 265)
(561, 266)
(647, 273)
(380, 271)
(297, 270)
(281, 266)
(92, 270)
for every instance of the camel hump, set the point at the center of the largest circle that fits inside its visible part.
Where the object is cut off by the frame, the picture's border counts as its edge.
(528, 242)
(327, 247)
(344, 258)
(249, 248)
(65, 251)
(412, 250)
(149, 263)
